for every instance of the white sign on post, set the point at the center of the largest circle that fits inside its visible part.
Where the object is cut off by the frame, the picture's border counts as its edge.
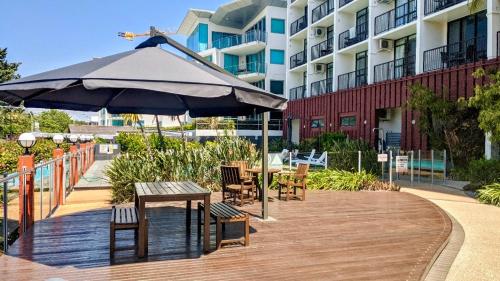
(401, 164)
(382, 157)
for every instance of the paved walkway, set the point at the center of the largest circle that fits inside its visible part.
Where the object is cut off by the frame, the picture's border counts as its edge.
(94, 177)
(479, 257)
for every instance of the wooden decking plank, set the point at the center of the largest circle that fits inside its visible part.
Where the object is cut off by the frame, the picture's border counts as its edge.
(330, 236)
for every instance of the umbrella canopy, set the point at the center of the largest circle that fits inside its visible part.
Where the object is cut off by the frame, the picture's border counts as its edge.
(147, 80)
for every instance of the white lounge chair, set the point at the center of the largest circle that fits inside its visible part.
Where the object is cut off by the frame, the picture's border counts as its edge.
(320, 161)
(311, 156)
(284, 155)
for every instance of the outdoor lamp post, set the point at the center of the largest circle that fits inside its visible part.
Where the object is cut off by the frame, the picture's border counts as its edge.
(73, 139)
(58, 139)
(26, 140)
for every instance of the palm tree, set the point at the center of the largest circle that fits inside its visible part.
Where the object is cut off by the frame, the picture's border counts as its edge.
(135, 120)
(181, 126)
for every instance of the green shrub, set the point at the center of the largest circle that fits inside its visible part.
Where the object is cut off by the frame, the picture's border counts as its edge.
(343, 155)
(327, 141)
(195, 162)
(482, 172)
(490, 194)
(130, 142)
(339, 180)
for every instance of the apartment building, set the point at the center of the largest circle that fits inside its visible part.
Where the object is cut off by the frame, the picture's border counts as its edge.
(350, 62)
(245, 37)
(104, 118)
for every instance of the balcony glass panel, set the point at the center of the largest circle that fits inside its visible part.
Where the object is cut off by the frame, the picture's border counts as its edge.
(235, 40)
(298, 59)
(298, 93)
(322, 49)
(352, 79)
(321, 87)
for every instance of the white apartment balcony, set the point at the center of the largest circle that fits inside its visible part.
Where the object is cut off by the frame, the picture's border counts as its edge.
(322, 52)
(249, 43)
(249, 72)
(322, 15)
(445, 10)
(298, 28)
(352, 6)
(354, 40)
(398, 22)
(297, 3)
(298, 62)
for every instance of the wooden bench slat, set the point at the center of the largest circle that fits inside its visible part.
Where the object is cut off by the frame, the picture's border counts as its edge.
(224, 211)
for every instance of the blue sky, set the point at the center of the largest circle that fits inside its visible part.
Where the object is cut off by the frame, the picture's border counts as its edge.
(46, 34)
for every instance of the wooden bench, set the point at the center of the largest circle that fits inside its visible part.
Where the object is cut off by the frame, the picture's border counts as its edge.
(222, 214)
(124, 218)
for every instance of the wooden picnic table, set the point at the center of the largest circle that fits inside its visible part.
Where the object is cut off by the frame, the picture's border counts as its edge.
(171, 191)
(255, 174)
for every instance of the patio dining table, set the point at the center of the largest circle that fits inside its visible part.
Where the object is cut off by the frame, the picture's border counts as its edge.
(171, 191)
(255, 174)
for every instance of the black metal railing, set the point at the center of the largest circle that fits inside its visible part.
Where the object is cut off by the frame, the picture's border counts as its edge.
(455, 54)
(352, 79)
(345, 40)
(322, 87)
(322, 10)
(298, 92)
(298, 25)
(394, 69)
(298, 59)
(399, 16)
(432, 6)
(322, 49)
(344, 2)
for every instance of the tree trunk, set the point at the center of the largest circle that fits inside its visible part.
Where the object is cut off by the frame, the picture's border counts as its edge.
(148, 146)
(160, 135)
(183, 136)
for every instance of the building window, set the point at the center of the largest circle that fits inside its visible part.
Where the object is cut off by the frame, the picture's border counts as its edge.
(277, 87)
(317, 123)
(231, 63)
(277, 57)
(278, 26)
(348, 121)
(198, 40)
(117, 123)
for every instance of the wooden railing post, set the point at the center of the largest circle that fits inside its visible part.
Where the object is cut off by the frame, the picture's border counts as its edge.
(74, 165)
(58, 155)
(26, 192)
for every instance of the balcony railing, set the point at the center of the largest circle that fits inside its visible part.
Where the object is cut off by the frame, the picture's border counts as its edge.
(345, 40)
(247, 68)
(322, 87)
(235, 40)
(322, 49)
(298, 92)
(236, 124)
(298, 25)
(298, 59)
(399, 16)
(352, 79)
(344, 2)
(455, 54)
(432, 6)
(395, 69)
(322, 10)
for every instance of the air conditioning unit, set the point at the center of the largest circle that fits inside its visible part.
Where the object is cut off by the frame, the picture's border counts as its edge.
(385, 45)
(352, 32)
(319, 32)
(319, 68)
(385, 115)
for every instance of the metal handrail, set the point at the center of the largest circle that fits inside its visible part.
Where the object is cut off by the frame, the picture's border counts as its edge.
(394, 69)
(323, 10)
(298, 92)
(237, 39)
(322, 87)
(234, 123)
(298, 25)
(247, 68)
(322, 49)
(298, 59)
(432, 6)
(344, 2)
(352, 79)
(399, 16)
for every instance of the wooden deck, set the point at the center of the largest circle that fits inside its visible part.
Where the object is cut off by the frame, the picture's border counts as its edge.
(331, 236)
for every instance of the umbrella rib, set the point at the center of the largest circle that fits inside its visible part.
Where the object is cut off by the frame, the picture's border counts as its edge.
(110, 100)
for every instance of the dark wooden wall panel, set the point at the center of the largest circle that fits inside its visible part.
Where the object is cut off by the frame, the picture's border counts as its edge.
(451, 83)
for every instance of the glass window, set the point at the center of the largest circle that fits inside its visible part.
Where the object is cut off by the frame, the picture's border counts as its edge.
(117, 123)
(277, 87)
(198, 40)
(231, 63)
(348, 121)
(278, 26)
(277, 57)
(317, 123)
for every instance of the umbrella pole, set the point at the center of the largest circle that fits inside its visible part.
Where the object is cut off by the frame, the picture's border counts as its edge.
(265, 174)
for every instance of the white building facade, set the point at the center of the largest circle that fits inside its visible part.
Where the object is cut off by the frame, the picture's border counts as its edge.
(246, 37)
(341, 44)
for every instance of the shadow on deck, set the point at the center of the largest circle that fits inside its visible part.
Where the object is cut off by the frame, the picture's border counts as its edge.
(331, 236)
